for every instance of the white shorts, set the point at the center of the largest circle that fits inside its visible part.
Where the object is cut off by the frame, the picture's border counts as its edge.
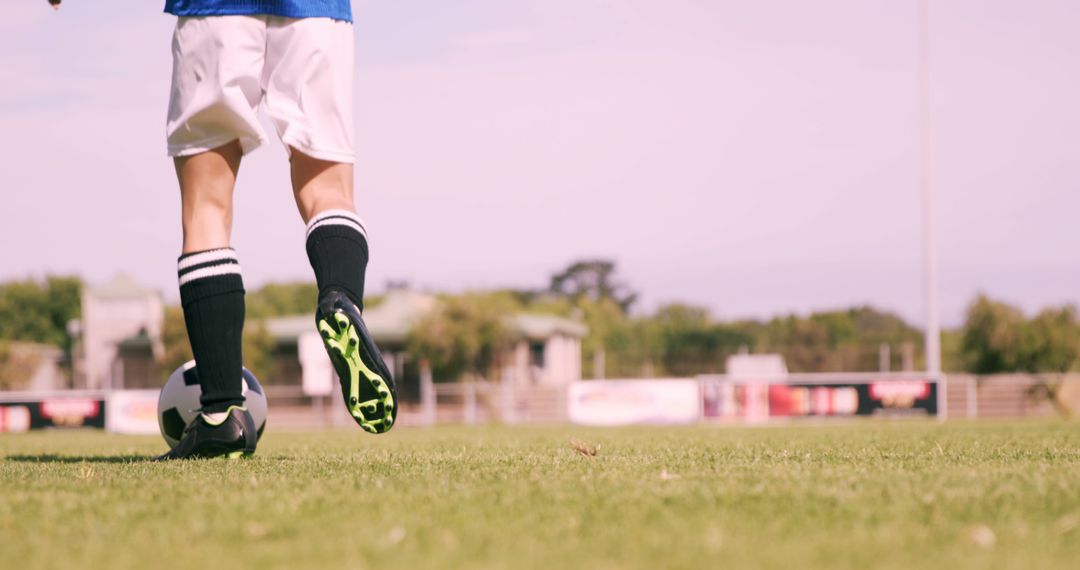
(301, 69)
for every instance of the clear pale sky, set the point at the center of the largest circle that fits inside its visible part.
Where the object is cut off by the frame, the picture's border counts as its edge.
(753, 157)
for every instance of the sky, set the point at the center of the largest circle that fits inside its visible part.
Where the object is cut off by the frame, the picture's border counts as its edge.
(755, 158)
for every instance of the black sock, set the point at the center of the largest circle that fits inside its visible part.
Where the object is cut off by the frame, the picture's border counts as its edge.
(338, 251)
(212, 294)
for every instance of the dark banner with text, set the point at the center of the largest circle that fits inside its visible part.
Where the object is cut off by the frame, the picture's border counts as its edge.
(756, 401)
(58, 412)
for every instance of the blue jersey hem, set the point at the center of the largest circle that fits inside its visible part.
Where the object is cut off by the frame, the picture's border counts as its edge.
(283, 14)
(340, 10)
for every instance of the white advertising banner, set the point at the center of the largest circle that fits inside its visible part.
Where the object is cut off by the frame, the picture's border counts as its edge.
(132, 411)
(625, 402)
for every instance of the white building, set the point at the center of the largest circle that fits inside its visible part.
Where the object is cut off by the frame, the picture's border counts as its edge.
(120, 328)
(548, 351)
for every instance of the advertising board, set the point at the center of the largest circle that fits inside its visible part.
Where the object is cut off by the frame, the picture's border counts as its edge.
(822, 397)
(132, 411)
(54, 412)
(625, 402)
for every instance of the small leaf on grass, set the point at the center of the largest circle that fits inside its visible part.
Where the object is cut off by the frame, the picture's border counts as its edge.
(584, 448)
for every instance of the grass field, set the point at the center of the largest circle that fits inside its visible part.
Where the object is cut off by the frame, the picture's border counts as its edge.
(904, 495)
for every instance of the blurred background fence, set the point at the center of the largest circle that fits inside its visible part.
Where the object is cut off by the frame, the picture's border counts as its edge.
(713, 399)
(966, 396)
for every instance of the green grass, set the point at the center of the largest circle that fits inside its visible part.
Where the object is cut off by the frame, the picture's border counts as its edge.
(900, 495)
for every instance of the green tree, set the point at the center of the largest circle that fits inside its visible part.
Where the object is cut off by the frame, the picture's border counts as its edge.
(465, 335)
(623, 340)
(994, 334)
(692, 344)
(804, 343)
(281, 299)
(1052, 341)
(174, 338)
(834, 341)
(16, 366)
(592, 279)
(38, 311)
(998, 338)
(258, 346)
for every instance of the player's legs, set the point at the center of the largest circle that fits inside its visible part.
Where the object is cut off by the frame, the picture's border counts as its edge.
(212, 296)
(211, 286)
(308, 82)
(217, 70)
(338, 251)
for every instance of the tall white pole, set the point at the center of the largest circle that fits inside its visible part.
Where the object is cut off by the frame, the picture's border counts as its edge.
(933, 326)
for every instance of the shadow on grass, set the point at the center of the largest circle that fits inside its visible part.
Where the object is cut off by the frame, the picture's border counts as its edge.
(115, 459)
(54, 458)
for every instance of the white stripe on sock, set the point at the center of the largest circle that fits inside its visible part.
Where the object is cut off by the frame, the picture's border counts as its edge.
(328, 213)
(212, 271)
(338, 222)
(322, 219)
(206, 256)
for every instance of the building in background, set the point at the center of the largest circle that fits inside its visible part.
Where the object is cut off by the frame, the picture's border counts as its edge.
(117, 342)
(547, 351)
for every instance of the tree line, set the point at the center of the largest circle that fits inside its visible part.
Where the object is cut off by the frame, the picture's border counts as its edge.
(468, 333)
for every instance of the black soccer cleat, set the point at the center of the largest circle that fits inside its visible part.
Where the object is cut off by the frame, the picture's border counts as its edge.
(366, 383)
(232, 437)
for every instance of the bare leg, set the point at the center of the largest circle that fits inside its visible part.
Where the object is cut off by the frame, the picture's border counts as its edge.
(338, 251)
(206, 191)
(320, 185)
(211, 287)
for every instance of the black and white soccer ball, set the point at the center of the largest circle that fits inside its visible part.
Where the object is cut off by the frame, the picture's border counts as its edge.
(178, 404)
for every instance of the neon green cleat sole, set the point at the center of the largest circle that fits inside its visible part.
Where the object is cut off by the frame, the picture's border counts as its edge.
(368, 397)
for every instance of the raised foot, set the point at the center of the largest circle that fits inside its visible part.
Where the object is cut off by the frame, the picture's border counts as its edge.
(343, 343)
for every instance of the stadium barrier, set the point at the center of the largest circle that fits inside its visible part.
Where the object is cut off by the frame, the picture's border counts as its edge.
(708, 399)
(624, 402)
(1013, 395)
(840, 395)
(24, 411)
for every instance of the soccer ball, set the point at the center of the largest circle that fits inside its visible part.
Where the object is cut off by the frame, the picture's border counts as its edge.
(178, 404)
